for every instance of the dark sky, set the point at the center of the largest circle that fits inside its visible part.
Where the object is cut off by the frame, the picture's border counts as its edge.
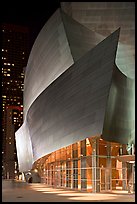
(33, 14)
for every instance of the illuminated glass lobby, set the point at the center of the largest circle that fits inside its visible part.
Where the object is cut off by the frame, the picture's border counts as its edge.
(91, 164)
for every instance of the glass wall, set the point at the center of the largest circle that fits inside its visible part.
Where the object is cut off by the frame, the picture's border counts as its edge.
(88, 165)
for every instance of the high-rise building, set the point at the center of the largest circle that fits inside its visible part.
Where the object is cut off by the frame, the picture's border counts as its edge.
(15, 51)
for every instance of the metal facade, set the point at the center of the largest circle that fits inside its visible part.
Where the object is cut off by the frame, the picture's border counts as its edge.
(69, 90)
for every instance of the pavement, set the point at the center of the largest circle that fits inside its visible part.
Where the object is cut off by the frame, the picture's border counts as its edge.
(38, 192)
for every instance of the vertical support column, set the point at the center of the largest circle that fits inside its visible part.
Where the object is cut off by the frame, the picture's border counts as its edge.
(108, 169)
(95, 167)
(79, 174)
(71, 185)
(64, 174)
(89, 164)
(133, 177)
(124, 176)
(133, 168)
(72, 174)
(79, 166)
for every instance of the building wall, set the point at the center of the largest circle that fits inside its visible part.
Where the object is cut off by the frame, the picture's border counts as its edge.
(119, 122)
(49, 57)
(61, 110)
(66, 41)
(73, 107)
(104, 18)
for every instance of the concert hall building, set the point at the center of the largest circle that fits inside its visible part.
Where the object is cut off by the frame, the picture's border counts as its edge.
(79, 108)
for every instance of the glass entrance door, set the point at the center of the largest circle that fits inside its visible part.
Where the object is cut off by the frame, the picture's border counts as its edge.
(102, 179)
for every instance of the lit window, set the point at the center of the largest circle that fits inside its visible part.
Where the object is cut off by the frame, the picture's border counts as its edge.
(8, 74)
(2, 30)
(4, 96)
(10, 143)
(8, 69)
(21, 106)
(2, 49)
(8, 82)
(8, 40)
(8, 63)
(12, 64)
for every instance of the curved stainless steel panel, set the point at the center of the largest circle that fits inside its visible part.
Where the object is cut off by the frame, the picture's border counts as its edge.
(24, 148)
(50, 56)
(59, 44)
(119, 123)
(73, 106)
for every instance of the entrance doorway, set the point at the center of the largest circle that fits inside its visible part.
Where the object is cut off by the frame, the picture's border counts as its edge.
(105, 179)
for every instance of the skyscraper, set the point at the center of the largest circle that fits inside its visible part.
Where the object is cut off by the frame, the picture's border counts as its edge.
(15, 51)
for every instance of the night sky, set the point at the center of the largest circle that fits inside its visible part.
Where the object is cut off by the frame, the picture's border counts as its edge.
(33, 14)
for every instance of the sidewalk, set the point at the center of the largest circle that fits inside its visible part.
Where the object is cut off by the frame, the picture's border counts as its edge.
(42, 193)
